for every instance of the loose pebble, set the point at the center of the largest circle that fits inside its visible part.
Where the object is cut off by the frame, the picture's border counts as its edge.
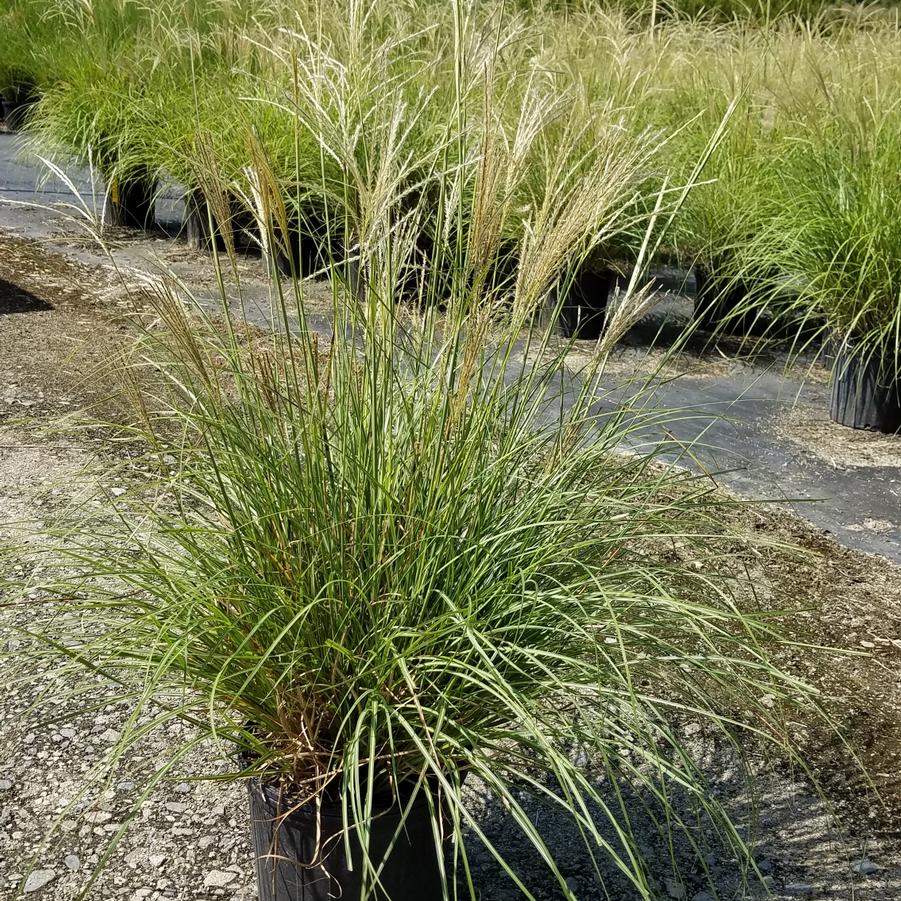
(866, 868)
(38, 879)
(72, 862)
(218, 878)
(98, 816)
(800, 889)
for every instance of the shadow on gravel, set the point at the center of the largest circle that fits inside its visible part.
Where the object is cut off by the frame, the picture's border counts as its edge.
(14, 299)
(798, 846)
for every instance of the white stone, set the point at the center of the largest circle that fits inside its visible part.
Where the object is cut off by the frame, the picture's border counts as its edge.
(218, 878)
(98, 816)
(38, 879)
(866, 868)
(72, 862)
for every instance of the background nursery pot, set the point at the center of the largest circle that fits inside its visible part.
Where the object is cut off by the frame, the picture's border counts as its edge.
(584, 309)
(865, 392)
(202, 234)
(131, 202)
(300, 859)
(716, 301)
(15, 106)
(306, 248)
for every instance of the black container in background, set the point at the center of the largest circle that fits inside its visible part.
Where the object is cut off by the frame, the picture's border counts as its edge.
(245, 228)
(308, 248)
(583, 312)
(131, 203)
(197, 224)
(201, 234)
(285, 838)
(15, 112)
(299, 255)
(716, 302)
(866, 394)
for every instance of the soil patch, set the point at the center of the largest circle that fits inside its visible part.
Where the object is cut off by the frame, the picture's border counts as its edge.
(58, 346)
(838, 445)
(846, 606)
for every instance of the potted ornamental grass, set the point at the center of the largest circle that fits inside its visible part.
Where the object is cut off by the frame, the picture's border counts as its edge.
(846, 245)
(723, 231)
(388, 567)
(129, 88)
(385, 566)
(25, 33)
(93, 62)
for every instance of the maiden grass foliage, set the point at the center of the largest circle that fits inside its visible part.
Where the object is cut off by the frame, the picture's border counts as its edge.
(411, 552)
(849, 248)
(393, 559)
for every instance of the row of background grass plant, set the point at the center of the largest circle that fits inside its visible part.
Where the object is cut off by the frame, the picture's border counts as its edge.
(795, 214)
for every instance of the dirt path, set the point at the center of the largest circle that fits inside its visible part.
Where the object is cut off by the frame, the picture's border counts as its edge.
(61, 328)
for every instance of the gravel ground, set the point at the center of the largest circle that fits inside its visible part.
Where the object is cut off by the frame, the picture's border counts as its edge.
(59, 807)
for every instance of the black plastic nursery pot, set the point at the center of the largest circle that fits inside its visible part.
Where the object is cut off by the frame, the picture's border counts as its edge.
(866, 392)
(204, 234)
(131, 202)
(200, 233)
(302, 855)
(306, 248)
(244, 225)
(716, 301)
(15, 105)
(583, 312)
